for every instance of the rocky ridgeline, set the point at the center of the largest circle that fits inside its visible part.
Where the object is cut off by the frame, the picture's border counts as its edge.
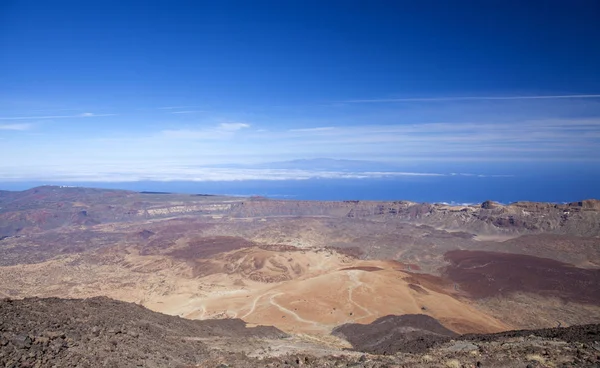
(418, 333)
(100, 332)
(45, 208)
(579, 218)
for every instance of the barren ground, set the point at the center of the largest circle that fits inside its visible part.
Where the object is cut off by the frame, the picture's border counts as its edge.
(306, 267)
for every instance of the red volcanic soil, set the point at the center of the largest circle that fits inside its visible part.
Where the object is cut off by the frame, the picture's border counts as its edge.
(484, 274)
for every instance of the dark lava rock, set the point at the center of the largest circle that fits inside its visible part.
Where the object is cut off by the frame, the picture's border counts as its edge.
(99, 332)
(21, 341)
(488, 205)
(409, 333)
(417, 333)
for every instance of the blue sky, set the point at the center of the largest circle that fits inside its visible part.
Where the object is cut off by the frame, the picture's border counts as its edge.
(173, 90)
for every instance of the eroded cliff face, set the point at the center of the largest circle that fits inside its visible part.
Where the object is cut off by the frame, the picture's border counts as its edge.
(45, 208)
(210, 208)
(50, 207)
(580, 218)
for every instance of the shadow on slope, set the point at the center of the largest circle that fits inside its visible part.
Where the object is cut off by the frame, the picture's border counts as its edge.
(409, 333)
(418, 333)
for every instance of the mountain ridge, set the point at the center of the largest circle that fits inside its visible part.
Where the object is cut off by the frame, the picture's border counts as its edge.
(308, 267)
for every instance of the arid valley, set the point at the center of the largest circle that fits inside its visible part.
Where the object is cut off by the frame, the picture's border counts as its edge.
(299, 184)
(314, 271)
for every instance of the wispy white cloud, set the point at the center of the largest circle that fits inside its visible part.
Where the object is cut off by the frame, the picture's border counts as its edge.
(82, 115)
(543, 131)
(127, 172)
(472, 98)
(482, 175)
(221, 131)
(173, 107)
(16, 126)
(231, 127)
(553, 129)
(545, 140)
(318, 129)
(186, 112)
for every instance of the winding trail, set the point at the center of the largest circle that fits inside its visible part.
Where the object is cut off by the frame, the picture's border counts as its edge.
(253, 305)
(353, 276)
(285, 310)
(234, 315)
(203, 311)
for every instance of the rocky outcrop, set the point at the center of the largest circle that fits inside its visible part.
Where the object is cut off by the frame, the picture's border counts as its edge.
(47, 208)
(488, 218)
(488, 205)
(100, 332)
(410, 333)
(421, 334)
(588, 204)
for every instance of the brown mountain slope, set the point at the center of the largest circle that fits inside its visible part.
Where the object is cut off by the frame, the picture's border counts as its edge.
(306, 267)
(301, 291)
(100, 332)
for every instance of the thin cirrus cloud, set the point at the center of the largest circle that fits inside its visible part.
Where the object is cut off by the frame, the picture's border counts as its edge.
(555, 140)
(472, 98)
(541, 136)
(545, 140)
(186, 112)
(536, 130)
(456, 133)
(221, 131)
(173, 107)
(181, 157)
(82, 115)
(125, 172)
(18, 127)
(232, 127)
(318, 129)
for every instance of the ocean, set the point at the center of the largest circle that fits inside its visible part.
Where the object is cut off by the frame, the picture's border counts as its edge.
(447, 189)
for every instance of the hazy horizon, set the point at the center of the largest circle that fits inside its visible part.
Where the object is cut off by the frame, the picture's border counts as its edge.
(218, 92)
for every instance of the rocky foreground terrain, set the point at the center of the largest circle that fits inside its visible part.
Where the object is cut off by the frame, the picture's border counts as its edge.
(354, 283)
(101, 332)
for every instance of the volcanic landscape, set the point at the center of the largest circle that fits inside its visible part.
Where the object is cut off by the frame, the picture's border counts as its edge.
(94, 277)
